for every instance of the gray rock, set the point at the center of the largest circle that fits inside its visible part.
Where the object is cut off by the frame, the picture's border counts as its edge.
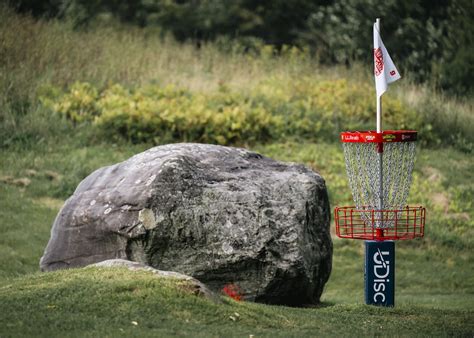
(222, 215)
(193, 285)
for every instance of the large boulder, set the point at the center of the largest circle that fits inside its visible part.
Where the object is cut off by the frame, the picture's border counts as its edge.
(219, 214)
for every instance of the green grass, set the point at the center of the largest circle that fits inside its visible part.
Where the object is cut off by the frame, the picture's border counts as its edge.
(434, 285)
(80, 302)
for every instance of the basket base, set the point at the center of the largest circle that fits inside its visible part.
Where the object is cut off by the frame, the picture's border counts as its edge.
(379, 273)
(380, 225)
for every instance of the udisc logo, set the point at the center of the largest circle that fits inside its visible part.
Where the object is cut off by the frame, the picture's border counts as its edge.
(381, 272)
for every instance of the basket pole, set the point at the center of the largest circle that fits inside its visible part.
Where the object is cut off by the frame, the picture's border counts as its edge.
(379, 98)
(379, 231)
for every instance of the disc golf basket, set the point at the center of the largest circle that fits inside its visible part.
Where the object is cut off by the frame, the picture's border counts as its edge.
(379, 168)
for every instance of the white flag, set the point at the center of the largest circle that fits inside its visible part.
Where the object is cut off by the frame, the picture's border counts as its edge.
(384, 70)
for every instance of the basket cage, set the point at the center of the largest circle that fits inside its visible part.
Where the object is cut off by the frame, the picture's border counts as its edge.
(362, 165)
(379, 168)
(405, 223)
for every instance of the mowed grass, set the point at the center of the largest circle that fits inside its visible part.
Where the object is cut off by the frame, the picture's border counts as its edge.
(116, 302)
(434, 276)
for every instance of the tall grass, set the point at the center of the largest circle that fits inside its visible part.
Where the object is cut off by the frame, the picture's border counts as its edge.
(37, 54)
(445, 121)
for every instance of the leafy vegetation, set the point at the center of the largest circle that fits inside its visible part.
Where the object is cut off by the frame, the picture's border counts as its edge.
(273, 110)
(151, 91)
(431, 40)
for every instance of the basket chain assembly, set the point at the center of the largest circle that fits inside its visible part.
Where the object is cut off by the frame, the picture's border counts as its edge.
(362, 165)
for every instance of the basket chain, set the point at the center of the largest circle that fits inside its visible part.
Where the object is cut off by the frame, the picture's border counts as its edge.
(362, 163)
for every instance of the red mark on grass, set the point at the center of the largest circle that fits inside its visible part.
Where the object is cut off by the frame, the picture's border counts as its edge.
(233, 291)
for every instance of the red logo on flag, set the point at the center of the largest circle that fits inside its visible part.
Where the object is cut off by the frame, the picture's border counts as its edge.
(378, 61)
(393, 73)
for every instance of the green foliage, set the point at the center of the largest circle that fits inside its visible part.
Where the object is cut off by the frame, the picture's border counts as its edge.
(315, 109)
(80, 104)
(168, 114)
(273, 110)
(273, 94)
(444, 122)
(278, 23)
(455, 73)
(276, 108)
(430, 40)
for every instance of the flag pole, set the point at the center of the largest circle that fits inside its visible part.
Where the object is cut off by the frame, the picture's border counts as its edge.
(379, 98)
(379, 231)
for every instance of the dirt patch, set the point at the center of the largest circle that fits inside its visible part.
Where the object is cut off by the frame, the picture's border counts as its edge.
(20, 182)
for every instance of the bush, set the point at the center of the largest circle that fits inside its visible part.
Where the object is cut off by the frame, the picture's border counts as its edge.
(275, 109)
(315, 109)
(164, 114)
(80, 104)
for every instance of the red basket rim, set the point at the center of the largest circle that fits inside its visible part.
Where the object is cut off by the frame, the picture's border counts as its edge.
(371, 136)
(353, 223)
(355, 209)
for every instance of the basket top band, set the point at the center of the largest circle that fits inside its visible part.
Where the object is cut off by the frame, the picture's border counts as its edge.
(371, 136)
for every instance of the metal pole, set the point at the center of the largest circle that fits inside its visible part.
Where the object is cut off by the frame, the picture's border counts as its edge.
(380, 255)
(379, 231)
(379, 98)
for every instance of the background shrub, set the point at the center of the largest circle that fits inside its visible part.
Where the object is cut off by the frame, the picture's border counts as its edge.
(275, 109)
(132, 84)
